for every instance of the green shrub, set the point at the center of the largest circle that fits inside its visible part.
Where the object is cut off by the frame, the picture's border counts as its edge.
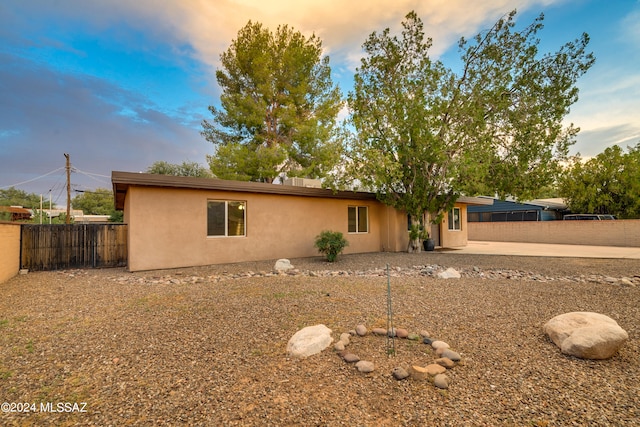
(331, 243)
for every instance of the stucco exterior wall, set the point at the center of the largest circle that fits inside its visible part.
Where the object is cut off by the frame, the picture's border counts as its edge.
(454, 238)
(168, 227)
(394, 232)
(600, 233)
(9, 250)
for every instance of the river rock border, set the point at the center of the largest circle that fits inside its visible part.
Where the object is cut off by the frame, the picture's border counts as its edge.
(427, 271)
(434, 372)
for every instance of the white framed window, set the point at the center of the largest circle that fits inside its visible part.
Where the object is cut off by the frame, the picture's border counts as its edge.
(454, 222)
(358, 219)
(226, 218)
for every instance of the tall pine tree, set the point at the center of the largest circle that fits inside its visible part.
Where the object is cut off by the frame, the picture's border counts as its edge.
(279, 107)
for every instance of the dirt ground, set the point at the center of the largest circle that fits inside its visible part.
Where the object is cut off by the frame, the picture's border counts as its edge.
(206, 346)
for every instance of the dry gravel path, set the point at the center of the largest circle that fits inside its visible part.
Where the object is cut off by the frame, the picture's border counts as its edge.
(206, 346)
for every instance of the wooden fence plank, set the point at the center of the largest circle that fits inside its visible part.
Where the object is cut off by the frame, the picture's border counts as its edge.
(59, 246)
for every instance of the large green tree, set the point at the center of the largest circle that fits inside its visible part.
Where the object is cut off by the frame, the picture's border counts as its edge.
(426, 134)
(97, 202)
(279, 108)
(606, 184)
(13, 197)
(185, 168)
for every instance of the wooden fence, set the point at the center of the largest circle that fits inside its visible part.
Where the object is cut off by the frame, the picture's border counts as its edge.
(53, 247)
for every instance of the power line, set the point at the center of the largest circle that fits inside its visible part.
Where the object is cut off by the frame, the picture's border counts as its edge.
(60, 193)
(92, 175)
(57, 186)
(33, 179)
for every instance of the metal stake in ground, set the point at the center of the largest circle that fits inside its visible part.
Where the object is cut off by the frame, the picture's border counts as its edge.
(391, 336)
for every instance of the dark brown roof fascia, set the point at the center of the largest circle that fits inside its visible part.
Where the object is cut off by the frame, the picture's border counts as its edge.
(122, 180)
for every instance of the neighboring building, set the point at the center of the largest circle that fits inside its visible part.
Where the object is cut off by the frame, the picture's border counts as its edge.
(16, 213)
(55, 213)
(84, 219)
(183, 221)
(510, 210)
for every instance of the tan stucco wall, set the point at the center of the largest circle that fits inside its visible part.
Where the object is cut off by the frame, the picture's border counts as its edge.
(599, 233)
(9, 250)
(394, 232)
(167, 227)
(454, 238)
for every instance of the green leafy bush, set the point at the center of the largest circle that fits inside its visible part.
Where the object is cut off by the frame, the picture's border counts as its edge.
(331, 243)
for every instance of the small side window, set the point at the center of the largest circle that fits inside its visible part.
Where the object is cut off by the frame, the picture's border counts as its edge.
(358, 219)
(454, 222)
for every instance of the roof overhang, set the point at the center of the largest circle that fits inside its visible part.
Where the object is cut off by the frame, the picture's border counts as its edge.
(546, 204)
(15, 210)
(550, 204)
(475, 200)
(123, 180)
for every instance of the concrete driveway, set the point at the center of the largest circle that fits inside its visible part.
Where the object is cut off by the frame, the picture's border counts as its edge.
(541, 249)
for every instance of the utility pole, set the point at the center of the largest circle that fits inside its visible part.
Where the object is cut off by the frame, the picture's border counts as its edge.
(67, 219)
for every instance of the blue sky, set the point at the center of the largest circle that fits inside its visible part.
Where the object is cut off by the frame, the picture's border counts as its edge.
(120, 84)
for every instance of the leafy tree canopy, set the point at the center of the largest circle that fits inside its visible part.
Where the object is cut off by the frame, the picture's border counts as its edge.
(192, 169)
(13, 197)
(426, 134)
(606, 184)
(97, 202)
(278, 108)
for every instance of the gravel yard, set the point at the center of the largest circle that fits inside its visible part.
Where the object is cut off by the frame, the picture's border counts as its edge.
(206, 346)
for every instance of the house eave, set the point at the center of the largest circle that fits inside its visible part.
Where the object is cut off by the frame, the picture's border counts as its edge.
(545, 204)
(475, 200)
(123, 180)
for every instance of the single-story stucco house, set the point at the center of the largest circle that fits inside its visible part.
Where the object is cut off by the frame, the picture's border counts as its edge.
(182, 221)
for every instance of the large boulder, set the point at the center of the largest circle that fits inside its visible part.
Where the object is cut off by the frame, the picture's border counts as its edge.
(309, 341)
(449, 273)
(586, 335)
(282, 264)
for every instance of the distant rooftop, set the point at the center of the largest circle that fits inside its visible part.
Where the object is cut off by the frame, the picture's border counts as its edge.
(553, 203)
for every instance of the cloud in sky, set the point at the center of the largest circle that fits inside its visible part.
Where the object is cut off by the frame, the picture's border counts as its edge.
(54, 113)
(610, 92)
(210, 26)
(120, 84)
